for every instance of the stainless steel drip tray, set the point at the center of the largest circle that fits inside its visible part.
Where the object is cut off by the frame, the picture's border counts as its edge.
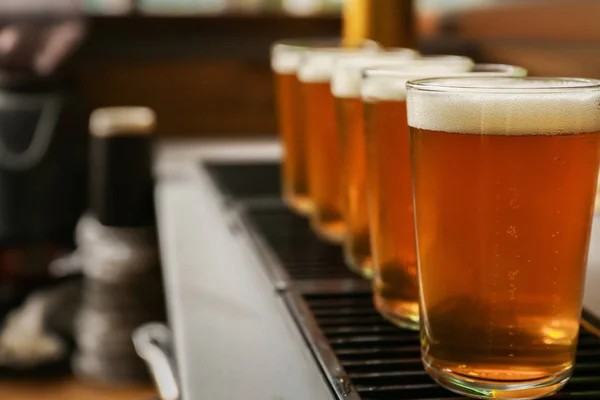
(234, 336)
(361, 355)
(292, 255)
(364, 356)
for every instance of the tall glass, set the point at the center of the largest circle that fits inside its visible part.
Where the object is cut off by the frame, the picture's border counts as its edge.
(395, 283)
(322, 146)
(504, 174)
(345, 86)
(285, 58)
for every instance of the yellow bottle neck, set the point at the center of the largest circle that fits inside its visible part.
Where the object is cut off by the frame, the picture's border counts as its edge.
(389, 22)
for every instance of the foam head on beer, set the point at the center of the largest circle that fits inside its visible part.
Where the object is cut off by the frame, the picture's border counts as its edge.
(317, 65)
(389, 82)
(488, 105)
(347, 74)
(286, 55)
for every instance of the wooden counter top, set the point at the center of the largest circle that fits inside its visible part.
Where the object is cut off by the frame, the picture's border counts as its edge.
(68, 389)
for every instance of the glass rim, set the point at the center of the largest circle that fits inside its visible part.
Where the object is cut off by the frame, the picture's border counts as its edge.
(497, 68)
(332, 43)
(497, 65)
(480, 70)
(392, 54)
(387, 71)
(308, 43)
(453, 85)
(368, 45)
(288, 54)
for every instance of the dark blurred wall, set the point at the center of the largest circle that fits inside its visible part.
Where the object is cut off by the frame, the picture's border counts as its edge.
(211, 75)
(548, 37)
(203, 76)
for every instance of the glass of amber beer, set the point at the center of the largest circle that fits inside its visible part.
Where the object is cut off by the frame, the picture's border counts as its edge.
(388, 187)
(285, 58)
(504, 173)
(345, 86)
(322, 146)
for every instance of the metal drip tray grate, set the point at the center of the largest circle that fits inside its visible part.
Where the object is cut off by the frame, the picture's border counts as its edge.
(241, 181)
(293, 253)
(376, 360)
(289, 249)
(362, 355)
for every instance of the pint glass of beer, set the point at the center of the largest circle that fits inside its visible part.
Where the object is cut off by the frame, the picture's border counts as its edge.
(285, 58)
(345, 86)
(324, 168)
(395, 283)
(504, 173)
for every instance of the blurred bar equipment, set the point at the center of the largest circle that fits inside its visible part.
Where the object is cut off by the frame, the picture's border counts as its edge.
(117, 246)
(43, 144)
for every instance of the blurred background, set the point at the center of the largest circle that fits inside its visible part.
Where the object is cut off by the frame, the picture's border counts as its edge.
(203, 67)
(160, 53)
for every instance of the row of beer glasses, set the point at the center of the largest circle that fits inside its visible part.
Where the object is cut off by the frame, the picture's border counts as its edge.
(465, 191)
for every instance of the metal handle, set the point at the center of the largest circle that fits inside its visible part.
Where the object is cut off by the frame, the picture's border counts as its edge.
(153, 343)
(40, 141)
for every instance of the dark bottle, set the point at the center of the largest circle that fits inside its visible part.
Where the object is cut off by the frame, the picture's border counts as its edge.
(121, 186)
(122, 286)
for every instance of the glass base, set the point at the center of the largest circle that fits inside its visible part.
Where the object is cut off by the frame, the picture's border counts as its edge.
(487, 389)
(391, 314)
(363, 267)
(299, 204)
(332, 232)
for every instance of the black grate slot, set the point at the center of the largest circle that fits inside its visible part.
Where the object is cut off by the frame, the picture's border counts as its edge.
(299, 251)
(241, 181)
(383, 361)
(408, 391)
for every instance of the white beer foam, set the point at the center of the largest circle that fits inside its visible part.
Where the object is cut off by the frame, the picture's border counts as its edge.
(347, 73)
(286, 60)
(317, 65)
(506, 106)
(389, 83)
(286, 55)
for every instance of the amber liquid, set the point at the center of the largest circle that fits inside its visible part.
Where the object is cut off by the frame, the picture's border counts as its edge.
(323, 161)
(294, 165)
(503, 225)
(357, 241)
(396, 289)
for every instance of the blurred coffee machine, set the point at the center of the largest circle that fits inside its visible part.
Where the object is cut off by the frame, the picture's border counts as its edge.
(43, 147)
